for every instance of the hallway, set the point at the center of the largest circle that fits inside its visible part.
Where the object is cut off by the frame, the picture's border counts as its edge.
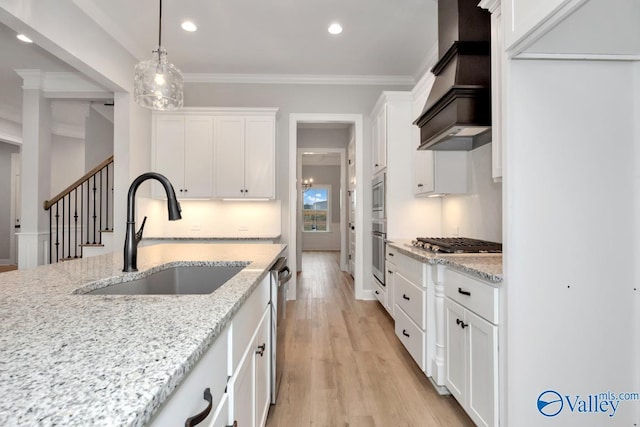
(344, 364)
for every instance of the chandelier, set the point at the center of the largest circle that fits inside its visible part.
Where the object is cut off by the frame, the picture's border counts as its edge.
(158, 83)
(307, 184)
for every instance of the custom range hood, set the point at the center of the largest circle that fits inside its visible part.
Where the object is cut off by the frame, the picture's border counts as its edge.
(457, 115)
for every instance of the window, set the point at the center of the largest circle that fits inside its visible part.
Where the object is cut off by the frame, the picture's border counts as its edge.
(316, 209)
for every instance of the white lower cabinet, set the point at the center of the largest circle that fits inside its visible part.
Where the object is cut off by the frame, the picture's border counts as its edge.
(471, 348)
(235, 371)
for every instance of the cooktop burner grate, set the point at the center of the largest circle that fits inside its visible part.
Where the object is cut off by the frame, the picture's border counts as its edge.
(457, 245)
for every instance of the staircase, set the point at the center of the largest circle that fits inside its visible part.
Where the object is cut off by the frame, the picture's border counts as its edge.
(81, 216)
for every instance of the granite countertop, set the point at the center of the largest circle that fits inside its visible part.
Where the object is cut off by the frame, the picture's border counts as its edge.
(483, 266)
(211, 238)
(105, 360)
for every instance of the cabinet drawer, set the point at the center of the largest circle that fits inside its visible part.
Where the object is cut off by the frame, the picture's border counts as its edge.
(380, 292)
(188, 398)
(246, 320)
(411, 299)
(411, 336)
(475, 295)
(391, 254)
(410, 268)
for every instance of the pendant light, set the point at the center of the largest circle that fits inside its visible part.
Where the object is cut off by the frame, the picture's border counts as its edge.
(158, 83)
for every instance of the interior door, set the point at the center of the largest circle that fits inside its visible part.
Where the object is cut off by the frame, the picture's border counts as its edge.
(16, 200)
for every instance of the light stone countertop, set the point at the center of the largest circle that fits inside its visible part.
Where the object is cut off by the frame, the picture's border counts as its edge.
(110, 360)
(483, 266)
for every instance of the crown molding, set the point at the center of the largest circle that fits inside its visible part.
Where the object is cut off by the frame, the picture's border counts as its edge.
(31, 79)
(72, 85)
(302, 79)
(490, 5)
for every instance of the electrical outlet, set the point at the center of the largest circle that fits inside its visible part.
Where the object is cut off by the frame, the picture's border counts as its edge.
(195, 227)
(243, 228)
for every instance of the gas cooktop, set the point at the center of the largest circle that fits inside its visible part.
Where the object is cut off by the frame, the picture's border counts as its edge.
(454, 245)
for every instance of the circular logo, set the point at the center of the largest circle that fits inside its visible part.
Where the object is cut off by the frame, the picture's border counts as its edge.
(550, 403)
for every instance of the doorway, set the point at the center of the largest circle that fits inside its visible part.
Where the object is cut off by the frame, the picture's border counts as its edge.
(355, 124)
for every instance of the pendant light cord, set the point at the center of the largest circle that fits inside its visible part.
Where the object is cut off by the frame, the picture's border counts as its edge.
(160, 26)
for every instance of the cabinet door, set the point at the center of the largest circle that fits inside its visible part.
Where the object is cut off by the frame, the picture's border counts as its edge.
(482, 388)
(242, 393)
(423, 181)
(221, 415)
(228, 157)
(259, 158)
(198, 147)
(263, 369)
(380, 141)
(455, 350)
(389, 278)
(525, 16)
(168, 152)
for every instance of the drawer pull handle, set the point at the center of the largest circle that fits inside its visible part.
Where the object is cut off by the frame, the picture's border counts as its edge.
(261, 349)
(467, 293)
(390, 254)
(461, 323)
(197, 419)
(389, 271)
(404, 332)
(377, 292)
(406, 297)
(235, 424)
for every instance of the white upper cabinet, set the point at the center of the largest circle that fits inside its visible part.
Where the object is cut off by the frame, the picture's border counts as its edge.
(557, 29)
(181, 150)
(244, 157)
(379, 135)
(215, 152)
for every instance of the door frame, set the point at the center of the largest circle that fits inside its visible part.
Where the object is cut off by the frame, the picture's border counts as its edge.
(357, 120)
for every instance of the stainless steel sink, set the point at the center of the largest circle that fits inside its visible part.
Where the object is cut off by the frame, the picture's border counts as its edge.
(175, 281)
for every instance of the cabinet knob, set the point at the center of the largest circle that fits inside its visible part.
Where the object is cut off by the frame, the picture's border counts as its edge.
(377, 292)
(186, 189)
(181, 190)
(261, 349)
(376, 165)
(420, 185)
(197, 419)
(241, 190)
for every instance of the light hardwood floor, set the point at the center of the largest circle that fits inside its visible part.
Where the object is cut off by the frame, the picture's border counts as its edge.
(344, 364)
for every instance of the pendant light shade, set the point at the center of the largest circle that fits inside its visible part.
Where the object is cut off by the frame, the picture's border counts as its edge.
(158, 84)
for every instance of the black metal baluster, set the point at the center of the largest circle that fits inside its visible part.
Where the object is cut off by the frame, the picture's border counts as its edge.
(75, 223)
(50, 235)
(88, 209)
(62, 234)
(57, 233)
(107, 199)
(94, 209)
(81, 218)
(101, 212)
(69, 227)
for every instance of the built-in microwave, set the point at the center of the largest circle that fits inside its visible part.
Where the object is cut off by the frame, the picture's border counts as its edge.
(378, 192)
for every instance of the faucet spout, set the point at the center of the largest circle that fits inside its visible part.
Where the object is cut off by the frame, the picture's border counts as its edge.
(131, 237)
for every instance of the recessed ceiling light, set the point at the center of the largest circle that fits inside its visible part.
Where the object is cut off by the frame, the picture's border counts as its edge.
(24, 38)
(335, 28)
(189, 26)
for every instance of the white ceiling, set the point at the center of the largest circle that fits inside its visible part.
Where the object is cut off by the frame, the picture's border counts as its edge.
(380, 37)
(391, 40)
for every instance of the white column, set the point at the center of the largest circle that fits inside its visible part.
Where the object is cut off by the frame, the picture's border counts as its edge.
(33, 246)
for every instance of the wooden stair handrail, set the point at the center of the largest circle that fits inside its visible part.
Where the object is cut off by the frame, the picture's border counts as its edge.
(48, 203)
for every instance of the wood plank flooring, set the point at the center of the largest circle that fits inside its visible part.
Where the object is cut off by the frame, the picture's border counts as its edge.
(344, 364)
(9, 267)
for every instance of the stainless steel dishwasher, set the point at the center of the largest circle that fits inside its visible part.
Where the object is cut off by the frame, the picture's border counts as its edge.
(280, 275)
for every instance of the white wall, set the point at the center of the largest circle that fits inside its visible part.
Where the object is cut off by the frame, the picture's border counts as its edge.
(5, 196)
(67, 162)
(330, 241)
(477, 214)
(98, 139)
(204, 218)
(324, 138)
(571, 174)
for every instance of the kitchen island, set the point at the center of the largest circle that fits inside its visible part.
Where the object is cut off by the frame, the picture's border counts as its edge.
(72, 359)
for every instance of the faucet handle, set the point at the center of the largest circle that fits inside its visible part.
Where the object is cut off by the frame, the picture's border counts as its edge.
(140, 230)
